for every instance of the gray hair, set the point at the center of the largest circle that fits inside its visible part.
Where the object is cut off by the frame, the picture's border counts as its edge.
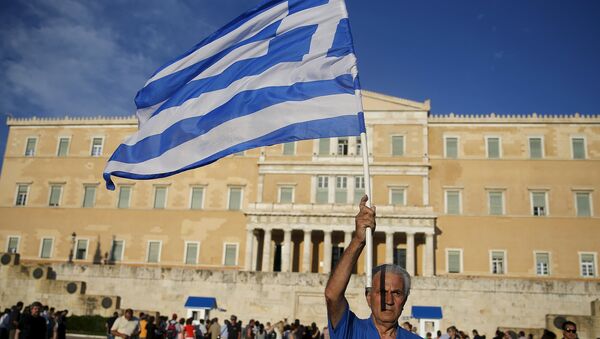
(396, 270)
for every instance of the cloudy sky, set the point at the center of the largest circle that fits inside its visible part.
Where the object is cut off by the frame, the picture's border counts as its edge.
(88, 58)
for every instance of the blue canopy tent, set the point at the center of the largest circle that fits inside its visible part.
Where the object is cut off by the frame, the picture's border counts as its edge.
(429, 318)
(200, 307)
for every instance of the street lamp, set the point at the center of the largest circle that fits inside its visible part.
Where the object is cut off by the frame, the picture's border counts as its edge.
(72, 252)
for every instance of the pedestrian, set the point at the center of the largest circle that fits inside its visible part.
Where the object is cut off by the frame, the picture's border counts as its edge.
(15, 317)
(214, 331)
(126, 326)
(60, 329)
(109, 323)
(180, 326)
(151, 328)
(32, 325)
(5, 324)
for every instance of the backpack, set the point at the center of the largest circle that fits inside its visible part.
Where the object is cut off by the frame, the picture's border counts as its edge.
(171, 329)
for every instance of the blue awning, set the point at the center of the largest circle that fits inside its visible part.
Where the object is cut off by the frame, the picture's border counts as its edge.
(208, 303)
(427, 312)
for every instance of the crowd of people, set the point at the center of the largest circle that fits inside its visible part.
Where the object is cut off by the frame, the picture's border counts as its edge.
(35, 321)
(151, 327)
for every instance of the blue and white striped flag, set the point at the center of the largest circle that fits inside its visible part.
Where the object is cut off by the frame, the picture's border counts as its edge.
(282, 72)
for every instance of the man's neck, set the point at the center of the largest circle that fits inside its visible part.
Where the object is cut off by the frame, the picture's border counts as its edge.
(385, 330)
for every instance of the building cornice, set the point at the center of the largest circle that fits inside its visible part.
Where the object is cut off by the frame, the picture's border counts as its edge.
(66, 120)
(532, 118)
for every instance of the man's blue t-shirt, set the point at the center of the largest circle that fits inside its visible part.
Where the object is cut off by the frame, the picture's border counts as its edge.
(350, 327)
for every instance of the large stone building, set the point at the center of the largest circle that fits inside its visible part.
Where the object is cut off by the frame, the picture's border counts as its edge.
(486, 196)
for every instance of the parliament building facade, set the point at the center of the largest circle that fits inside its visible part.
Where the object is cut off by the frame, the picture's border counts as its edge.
(510, 196)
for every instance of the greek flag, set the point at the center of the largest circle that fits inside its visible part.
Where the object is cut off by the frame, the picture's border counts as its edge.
(282, 72)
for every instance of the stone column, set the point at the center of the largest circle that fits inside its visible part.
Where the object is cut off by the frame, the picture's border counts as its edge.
(286, 251)
(347, 239)
(266, 259)
(249, 247)
(410, 253)
(260, 188)
(327, 252)
(306, 252)
(429, 258)
(389, 247)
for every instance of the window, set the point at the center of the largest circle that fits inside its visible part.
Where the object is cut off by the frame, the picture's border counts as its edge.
(453, 202)
(341, 190)
(397, 196)
(286, 195)
(583, 204)
(63, 147)
(89, 196)
(153, 255)
(55, 193)
(578, 148)
(124, 196)
(12, 245)
(397, 145)
(498, 265)
(342, 146)
(30, 147)
(46, 248)
(197, 198)
(324, 146)
(160, 197)
(97, 144)
(587, 262)
(116, 250)
(358, 146)
(536, 148)
(235, 198)
(496, 202)
(191, 253)
(493, 147)
(451, 147)
(322, 190)
(542, 263)
(359, 188)
(454, 257)
(289, 148)
(538, 202)
(230, 254)
(400, 257)
(81, 249)
(22, 192)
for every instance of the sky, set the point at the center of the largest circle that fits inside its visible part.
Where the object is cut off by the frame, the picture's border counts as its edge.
(89, 58)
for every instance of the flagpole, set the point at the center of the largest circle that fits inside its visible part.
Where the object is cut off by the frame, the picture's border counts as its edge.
(365, 156)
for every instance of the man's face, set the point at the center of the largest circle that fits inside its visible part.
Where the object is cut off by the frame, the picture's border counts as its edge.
(570, 331)
(386, 298)
(128, 315)
(35, 311)
(451, 332)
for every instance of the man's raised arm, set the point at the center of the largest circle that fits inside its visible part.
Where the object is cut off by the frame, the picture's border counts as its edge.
(338, 281)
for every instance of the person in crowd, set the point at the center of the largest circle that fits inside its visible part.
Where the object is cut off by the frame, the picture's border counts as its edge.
(50, 322)
(179, 328)
(189, 330)
(234, 330)
(32, 325)
(171, 327)
(60, 329)
(326, 332)
(522, 335)
(125, 326)
(151, 332)
(407, 326)
(109, 322)
(215, 329)
(15, 317)
(428, 335)
(143, 323)
(261, 333)
(569, 330)
(476, 334)
(314, 331)
(5, 324)
(225, 329)
(386, 299)
(249, 330)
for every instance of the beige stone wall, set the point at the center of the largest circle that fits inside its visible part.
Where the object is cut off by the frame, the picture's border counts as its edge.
(511, 303)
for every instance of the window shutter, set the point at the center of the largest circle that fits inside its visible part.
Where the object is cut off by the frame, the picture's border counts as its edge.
(493, 148)
(578, 148)
(397, 196)
(124, 194)
(453, 261)
(452, 148)
(452, 202)
(88, 196)
(535, 148)
(191, 254)
(323, 146)
(398, 145)
(583, 204)
(197, 193)
(160, 194)
(495, 203)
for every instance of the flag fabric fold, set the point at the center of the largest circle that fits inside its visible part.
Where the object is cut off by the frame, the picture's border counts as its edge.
(282, 72)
